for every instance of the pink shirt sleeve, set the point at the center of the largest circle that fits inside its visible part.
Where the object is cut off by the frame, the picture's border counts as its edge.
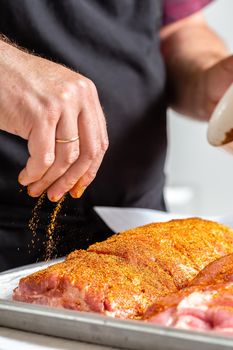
(174, 10)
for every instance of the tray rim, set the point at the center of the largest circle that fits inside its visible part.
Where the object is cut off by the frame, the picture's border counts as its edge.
(95, 318)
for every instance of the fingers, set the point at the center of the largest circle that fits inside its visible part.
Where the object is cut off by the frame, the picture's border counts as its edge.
(41, 147)
(91, 151)
(219, 78)
(65, 153)
(88, 136)
(58, 167)
(89, 176)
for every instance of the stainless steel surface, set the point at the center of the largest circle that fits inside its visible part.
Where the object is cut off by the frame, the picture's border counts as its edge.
(94, 328)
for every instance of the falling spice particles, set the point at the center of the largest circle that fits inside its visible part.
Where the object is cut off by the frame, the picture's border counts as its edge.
(34, 221)
(50, 244)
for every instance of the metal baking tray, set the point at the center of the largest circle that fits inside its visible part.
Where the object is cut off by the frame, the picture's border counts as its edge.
(94, 328)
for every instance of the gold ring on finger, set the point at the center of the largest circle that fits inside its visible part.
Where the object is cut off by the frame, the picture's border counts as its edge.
(67, 140)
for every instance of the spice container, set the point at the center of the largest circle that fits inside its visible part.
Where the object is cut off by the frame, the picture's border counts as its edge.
(220, 128)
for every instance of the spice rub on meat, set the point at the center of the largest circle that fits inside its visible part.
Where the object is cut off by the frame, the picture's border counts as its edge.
(178, 248)
(130, 271)
(93, 282)
(206, 305)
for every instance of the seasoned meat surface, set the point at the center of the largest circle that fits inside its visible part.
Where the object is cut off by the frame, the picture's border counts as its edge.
(206, 305)
(93, 282)
(219, 271)
(180, 248)
(130, 271)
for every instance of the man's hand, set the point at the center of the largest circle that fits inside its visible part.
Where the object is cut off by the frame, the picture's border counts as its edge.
(41, 101)
(198, 64)
(214, 81)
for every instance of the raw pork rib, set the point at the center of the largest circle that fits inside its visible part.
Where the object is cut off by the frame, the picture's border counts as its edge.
(93, 282)
(219, 271)
(179, 248)
(127, 273)
(206, 305)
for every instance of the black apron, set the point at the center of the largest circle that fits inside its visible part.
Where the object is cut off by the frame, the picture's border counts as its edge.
(116, 44)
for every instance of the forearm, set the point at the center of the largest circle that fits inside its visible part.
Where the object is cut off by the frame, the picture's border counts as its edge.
(189, 51)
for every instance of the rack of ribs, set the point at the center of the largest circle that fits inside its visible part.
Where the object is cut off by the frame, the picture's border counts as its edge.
(207, 304)
(179, 248)
(130, 271)
(93, 282)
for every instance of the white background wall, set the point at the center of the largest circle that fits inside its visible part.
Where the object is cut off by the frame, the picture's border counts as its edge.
(200, 177)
